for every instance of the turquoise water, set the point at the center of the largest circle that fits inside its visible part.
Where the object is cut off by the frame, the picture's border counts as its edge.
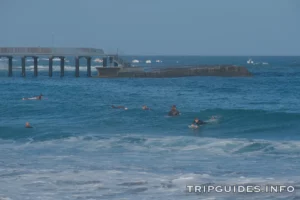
(80, 148)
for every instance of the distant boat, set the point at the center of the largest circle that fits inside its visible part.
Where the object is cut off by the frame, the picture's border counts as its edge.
(148, 61)
(158, 61)
(135, 61)
(250, 61)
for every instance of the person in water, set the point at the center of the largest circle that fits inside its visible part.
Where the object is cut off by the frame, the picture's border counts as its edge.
(39, 97)
(198, 122)
(27, 125)
(145, 107)
(173, 111)
(119, 107)
(36, 97)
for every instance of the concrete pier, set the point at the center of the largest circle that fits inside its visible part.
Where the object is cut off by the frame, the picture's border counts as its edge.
(111, 61)
(36, 52)
(88, 63)
(10, 73)
(23, 61)
(62, 66)
(76, 66)
(137, 72)
(113, 66)
(50, 66)
(105, 62)
(35, 64)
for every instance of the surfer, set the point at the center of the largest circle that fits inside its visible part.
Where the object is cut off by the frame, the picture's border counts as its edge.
(145, 107)
(34, 98)
(27, 125)
(39, 97)
(173, 111)
(198, 122)
(119, 107)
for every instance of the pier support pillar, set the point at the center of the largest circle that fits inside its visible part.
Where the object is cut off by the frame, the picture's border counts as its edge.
(23, 66)
(35, 68)
(10, 66)
(89, 72)
(62, 66)
(50, 66)
(111, 60)
(76, 66)
(105, 62)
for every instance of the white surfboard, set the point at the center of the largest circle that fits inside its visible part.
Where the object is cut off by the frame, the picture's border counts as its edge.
(31, 98)
(193, 126)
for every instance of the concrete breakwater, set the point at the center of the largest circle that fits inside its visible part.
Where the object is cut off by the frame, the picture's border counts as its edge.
(222, 70)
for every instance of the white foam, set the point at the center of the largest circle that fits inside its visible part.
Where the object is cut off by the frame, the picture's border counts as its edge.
(56, 68)
(44, 58)
(87, 165)
(98, 60)
(209, 146)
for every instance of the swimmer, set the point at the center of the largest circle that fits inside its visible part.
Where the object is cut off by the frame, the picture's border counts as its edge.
(198, 122)
(173, 111)
(145, 107)
(27, 125)
(119, 107)
(213, 119)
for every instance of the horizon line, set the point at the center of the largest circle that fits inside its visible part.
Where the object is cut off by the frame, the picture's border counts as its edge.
(291, 55)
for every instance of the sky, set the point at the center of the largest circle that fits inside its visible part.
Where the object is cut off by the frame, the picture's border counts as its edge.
(155, 27)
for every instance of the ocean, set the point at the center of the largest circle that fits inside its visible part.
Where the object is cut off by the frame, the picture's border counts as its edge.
(81, 149)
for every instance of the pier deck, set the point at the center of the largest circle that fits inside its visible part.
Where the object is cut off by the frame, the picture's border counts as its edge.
(45, 51)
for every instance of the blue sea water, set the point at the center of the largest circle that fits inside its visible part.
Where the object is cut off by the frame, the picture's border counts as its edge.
(80, 148)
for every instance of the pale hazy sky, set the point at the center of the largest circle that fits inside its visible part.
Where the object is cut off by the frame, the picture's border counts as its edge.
(172, 27)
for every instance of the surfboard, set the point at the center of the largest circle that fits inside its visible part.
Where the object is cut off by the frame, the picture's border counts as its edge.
(32, 98)
(193, 126)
